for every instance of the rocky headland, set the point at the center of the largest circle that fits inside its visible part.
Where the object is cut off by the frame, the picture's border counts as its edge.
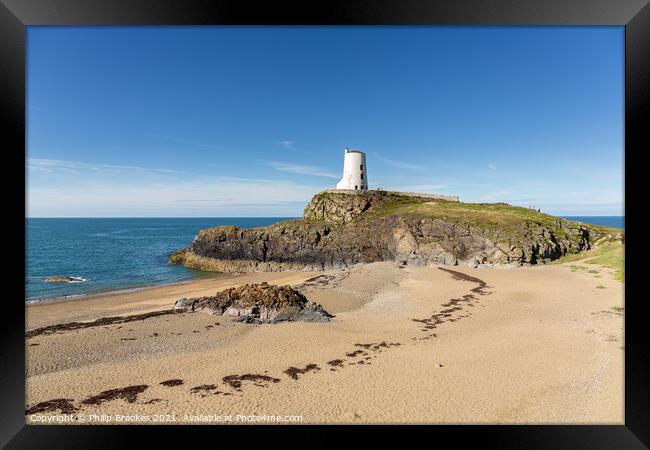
(257, 303)
(341, 229)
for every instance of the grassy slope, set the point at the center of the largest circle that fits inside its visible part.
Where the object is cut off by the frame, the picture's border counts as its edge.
(487, 215)
(506, 220)
(498, 214)
(611, 255)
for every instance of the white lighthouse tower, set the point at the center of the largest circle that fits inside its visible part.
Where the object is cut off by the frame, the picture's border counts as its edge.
(355, 173)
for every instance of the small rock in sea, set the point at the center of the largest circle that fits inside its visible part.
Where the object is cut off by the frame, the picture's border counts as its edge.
(60, 279)
(258, 303)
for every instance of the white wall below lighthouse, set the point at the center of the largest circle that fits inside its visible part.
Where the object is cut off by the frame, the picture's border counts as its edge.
(355, 172)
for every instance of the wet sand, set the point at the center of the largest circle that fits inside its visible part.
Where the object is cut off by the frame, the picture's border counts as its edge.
(407, 345)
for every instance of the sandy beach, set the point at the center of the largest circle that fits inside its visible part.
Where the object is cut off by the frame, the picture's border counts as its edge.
(407, 345)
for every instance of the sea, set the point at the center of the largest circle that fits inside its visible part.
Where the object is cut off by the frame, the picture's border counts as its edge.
(121, 253)
(112, 254)
(606, 221)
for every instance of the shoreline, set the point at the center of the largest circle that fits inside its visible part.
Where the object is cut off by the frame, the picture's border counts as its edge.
(87, 307)
(216, 276)
(211, 275)
(126, 290)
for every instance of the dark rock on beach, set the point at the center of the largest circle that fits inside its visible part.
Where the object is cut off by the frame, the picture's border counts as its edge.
(258, 303)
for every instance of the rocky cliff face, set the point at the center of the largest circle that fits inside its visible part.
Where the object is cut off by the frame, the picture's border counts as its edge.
(339, 230)
(346, 206)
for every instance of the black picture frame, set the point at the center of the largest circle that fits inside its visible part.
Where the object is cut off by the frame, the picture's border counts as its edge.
(16, 15)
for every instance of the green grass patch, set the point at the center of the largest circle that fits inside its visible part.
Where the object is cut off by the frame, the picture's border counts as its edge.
(506, 222)
(600, 286)
(610, 255)
(500, 214)
(618, 309)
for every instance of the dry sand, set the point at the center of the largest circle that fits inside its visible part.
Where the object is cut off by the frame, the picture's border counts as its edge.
(536, 345)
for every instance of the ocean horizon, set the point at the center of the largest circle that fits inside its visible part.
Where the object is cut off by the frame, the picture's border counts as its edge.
(606, 221)
(113, 254)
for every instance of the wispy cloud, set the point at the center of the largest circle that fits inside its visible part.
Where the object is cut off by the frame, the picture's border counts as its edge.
(287, 144)
(398, 164)
(57, 188)
(302, 169)
(492, 166)
(190, 195)
(54, 166)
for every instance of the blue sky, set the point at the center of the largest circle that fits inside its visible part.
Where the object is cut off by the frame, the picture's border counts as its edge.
(252, 121)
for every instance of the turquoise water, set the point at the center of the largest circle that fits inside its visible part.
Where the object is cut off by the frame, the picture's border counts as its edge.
(112, 254)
